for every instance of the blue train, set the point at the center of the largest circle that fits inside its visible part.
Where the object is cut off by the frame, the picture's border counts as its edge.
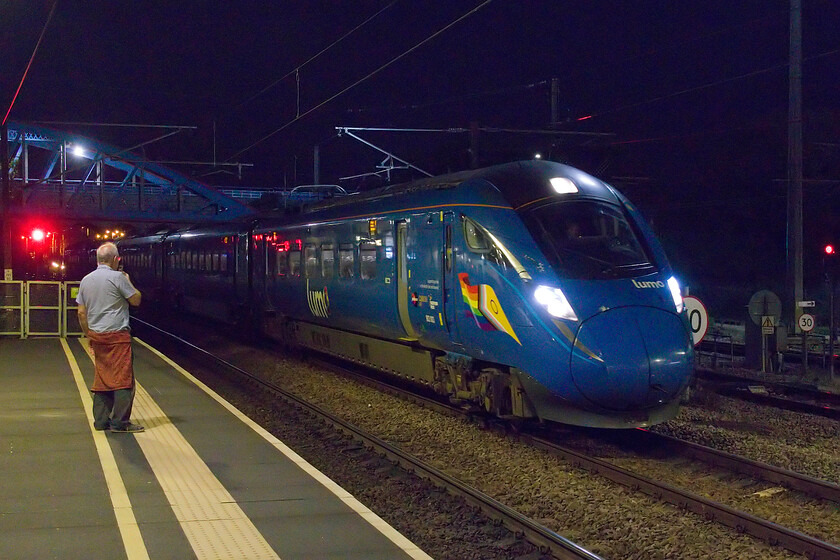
(530, 289)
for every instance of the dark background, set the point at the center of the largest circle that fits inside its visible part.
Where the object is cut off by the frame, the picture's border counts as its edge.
(690, 100)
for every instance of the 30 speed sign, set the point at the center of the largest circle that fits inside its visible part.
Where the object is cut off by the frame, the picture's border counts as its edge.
(806, 322)
(698, 318)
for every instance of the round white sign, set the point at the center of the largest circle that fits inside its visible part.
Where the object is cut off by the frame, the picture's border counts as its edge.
(806, 322)
(698, 318)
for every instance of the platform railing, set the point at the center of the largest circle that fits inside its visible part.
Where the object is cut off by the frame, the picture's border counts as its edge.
(38, 308)
(12, 306)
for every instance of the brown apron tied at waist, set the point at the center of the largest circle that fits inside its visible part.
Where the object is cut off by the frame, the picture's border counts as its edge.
(112, 358)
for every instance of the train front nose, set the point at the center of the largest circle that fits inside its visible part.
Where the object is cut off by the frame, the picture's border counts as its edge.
(639, 357)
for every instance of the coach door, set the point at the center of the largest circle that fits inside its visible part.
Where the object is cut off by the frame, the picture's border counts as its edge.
(424, 263)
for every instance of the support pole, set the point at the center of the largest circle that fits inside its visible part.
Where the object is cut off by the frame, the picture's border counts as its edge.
(555, 102)
(474, 135)
(794, 194)
(831, 326)
(5, 200)
(316, 165)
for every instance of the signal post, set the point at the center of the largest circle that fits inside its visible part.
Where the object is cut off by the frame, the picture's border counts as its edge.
(830, 266)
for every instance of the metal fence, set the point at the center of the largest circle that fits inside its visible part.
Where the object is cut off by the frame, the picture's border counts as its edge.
(38, 308)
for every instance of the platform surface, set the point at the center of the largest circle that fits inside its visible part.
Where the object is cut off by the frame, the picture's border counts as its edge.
(203, 481)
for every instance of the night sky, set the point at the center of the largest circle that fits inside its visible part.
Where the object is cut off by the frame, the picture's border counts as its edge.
(690, 98)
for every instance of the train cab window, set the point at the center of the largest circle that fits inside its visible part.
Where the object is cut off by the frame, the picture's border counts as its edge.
(367, 260)
(346, 260)
(310, 259)
(588, 239)
(327, 261)
(294, 263)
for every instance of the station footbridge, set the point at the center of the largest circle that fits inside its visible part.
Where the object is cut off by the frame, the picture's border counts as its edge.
(59, 180)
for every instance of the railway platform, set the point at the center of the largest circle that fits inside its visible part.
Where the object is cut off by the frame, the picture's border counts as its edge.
(203, 481)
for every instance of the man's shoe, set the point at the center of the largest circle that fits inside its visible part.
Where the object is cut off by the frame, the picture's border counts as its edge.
(129, 428)
(100, 428)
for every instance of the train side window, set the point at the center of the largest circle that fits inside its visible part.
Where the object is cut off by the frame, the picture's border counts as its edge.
(223, 261)
(294, 263)
(327, 261)
(282, 262)
(215, 262)
(476, 240)
(346, 260)
(367, 260)
(310, 258)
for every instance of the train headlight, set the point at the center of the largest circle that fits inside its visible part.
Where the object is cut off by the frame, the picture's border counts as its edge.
(676, 293)
(555, 303)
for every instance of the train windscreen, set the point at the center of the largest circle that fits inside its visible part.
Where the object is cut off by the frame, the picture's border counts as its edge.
(589, 240)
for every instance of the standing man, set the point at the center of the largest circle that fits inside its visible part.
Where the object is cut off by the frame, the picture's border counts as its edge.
(104, 297)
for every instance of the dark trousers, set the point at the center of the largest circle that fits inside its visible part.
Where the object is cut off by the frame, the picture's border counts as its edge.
(112, 408)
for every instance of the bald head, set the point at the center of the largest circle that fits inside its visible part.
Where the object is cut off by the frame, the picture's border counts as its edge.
(106, 253)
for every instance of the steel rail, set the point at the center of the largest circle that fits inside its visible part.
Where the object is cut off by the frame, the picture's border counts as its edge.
(540, 536)
(742, 522)
(816, 402)
(793, 480)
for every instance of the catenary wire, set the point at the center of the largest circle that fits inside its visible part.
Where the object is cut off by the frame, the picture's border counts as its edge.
(363, 79)
(313, 57)
(29, 64)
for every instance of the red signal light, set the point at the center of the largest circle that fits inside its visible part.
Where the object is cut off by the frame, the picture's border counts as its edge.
(38, 235)
(829, 250)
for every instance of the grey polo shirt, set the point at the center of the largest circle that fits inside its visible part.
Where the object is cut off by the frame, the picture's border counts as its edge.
(104, 292)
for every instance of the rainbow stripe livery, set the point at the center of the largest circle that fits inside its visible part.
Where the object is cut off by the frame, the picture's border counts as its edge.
(484, 307)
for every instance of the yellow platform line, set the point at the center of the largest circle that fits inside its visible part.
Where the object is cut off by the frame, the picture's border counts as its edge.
(212, 521)
(411, 549)
(135, 548)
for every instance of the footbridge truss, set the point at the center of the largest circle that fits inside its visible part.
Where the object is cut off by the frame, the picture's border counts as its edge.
(61, 175)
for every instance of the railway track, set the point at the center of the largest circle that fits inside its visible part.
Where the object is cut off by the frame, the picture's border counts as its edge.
(544, 539)
(740, 521)
(786, 396)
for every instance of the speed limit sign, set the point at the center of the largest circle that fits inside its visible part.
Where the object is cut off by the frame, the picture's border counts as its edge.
(698, 318)
(806, 322)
